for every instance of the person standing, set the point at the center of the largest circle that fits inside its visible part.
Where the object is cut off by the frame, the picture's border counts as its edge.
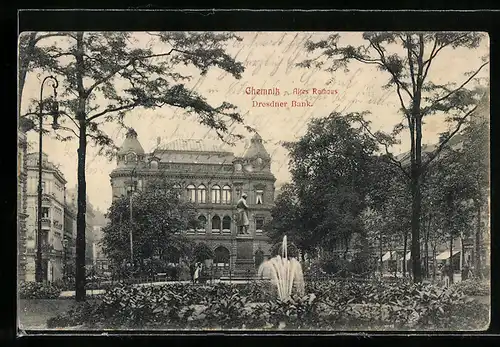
(243, 221)
(197, 273)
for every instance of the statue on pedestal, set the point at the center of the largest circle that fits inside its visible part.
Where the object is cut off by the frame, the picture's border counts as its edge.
(243, 221)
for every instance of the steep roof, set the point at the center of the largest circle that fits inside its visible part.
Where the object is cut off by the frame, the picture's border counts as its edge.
(256, 148)
(131, 143)
(193, 145)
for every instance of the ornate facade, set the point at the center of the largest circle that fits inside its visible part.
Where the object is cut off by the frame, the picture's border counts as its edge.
(214, 179)
(53, 207)
(21, 203)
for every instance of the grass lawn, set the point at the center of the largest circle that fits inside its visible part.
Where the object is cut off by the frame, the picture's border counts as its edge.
(33, 313)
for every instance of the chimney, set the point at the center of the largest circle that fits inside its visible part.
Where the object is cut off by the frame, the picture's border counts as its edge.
(158, 140)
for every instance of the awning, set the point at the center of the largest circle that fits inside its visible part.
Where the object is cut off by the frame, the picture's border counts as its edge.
(408, 256)
(445, 255)
(387, 256)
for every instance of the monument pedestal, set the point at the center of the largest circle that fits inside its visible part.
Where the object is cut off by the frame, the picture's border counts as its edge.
(244, 265)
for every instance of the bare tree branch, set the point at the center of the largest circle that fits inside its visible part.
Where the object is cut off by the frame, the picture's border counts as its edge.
(461, 86)
(112, 109)
(70, 118)
(434, 52)
(384, 62)
(132, 61)
(397, 163)
(431, 57)
(438, 150)
(68, 129)
(410, 61)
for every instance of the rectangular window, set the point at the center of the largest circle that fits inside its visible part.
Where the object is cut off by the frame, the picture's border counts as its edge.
(259, 224)
(45, 212)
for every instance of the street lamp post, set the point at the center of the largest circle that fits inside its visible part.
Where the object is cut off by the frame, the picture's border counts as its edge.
(54, 111)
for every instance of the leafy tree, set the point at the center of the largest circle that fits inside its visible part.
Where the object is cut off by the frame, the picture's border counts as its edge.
(90, 66)
(202, 252)
(287, 220)
(159, 218)
(291, 249)
(459, 182)
(406, 58)
(476, 165)
(330, 166)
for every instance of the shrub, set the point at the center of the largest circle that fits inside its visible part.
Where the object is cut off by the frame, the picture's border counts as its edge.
(352, 304)
(38, 290)
(474, 287)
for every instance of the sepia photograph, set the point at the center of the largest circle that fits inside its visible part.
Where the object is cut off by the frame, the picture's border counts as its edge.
(253, 181)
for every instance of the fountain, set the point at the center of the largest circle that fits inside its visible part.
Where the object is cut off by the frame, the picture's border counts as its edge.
(284, 273)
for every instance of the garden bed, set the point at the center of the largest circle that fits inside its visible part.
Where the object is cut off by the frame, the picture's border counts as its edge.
(333, 305)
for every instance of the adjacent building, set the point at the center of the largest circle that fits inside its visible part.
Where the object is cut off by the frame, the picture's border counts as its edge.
(22, 215)
(100, 261)
(53, 207)
(213, 179)
(69, 241)
(71, 200)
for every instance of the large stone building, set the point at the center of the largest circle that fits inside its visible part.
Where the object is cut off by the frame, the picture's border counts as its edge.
(71, 200)
(99, 258)
(53, 183)
(214, 179)
(69, 241)
(21, 198)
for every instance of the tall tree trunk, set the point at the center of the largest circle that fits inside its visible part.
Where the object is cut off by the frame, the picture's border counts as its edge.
(449, 201)
(82, 185)
(405, 245)
(478, 240)
(416, 195)
(381, 254)
(346, 248)
(80, 218)
(415, 226)
(451, 258)
(426, 246)
(434, 267)
(462, 257)
(416, 165)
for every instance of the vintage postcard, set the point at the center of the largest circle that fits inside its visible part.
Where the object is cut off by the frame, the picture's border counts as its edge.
(267, 181)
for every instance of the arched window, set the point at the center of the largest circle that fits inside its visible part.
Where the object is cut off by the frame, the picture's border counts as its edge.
(202, 224)
(226, 194)
(153, 164)
(215, 194)
(202, 194)
(221, 256)
(191, 193)
(216, 223)
(226, 224)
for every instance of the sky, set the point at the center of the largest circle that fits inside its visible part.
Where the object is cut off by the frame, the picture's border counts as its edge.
(269, 59)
